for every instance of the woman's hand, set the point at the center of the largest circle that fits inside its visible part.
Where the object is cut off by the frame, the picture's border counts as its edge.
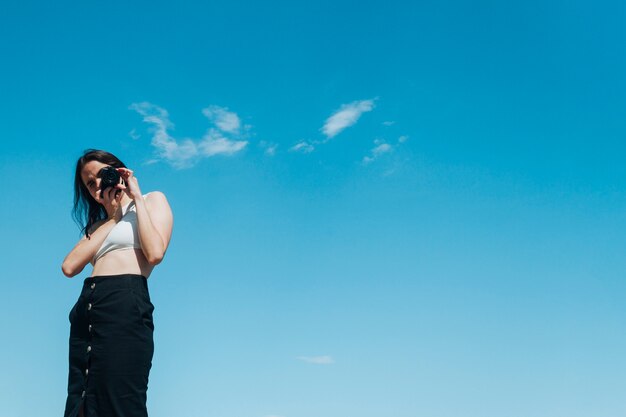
(132, 186)
(111, 198)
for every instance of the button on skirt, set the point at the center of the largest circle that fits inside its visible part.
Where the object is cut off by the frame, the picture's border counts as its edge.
(110, 347)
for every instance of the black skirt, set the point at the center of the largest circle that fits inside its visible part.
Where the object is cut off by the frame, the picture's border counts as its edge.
(111, 347)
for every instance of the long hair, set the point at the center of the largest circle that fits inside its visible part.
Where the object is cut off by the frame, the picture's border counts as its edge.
(87, 211)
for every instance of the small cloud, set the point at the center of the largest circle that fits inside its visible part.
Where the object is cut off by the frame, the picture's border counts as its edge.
(318, 360)
(225, 120)
(133, 134)
(179, 155)
(184, 153)
(270, 148)
(389, 123)
(380, 148)
(346, 116)
(303, 147)
(214, 143)
(402, 138)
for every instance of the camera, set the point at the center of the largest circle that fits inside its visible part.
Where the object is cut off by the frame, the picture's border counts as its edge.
(109, 177)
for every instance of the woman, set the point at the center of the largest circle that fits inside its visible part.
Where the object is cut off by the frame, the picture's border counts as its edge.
(111, 343)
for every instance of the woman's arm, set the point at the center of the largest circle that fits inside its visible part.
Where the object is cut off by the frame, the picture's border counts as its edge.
(85, 249)
(154, 217)
(154, 224)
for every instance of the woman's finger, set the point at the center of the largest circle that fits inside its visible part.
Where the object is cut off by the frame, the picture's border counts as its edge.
(111, 197)
(125, 171)
(104, 194)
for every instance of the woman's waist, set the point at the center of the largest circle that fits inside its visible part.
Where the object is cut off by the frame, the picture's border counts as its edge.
(112, 282)
(123, 261)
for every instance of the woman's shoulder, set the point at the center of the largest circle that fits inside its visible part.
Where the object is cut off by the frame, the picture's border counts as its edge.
(154, 195)
(156, 199)
(94, 227)
(156, 202)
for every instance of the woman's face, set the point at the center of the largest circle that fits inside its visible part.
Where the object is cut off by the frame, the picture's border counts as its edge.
(89, 176)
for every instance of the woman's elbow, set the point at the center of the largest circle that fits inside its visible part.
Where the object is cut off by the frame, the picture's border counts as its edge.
(69, 270)
(155, 259)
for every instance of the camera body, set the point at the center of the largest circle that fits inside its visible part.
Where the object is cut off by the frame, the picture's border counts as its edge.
(109, 177)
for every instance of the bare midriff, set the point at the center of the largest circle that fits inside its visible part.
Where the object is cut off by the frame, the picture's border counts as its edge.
(124, 261)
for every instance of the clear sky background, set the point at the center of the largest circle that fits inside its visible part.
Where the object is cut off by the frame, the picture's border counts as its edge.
(380, 208)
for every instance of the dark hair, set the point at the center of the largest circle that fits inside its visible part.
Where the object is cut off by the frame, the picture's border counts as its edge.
(87, 211)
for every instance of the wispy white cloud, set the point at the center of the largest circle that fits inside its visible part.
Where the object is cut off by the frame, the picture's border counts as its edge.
(270, 148)
(318, 360)
(225, 120)
(302, 146)
(184, 153)
(214, 143)
(380, 148)
(389, 123)
(179, 155)
(133, 134)
(346, 116)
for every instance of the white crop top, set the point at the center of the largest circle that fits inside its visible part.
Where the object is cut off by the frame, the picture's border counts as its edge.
(124, 234)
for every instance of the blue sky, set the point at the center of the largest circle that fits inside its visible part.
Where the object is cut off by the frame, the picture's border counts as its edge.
(381, 209)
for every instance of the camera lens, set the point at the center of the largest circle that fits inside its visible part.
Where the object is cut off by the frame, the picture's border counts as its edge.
(109, 177)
